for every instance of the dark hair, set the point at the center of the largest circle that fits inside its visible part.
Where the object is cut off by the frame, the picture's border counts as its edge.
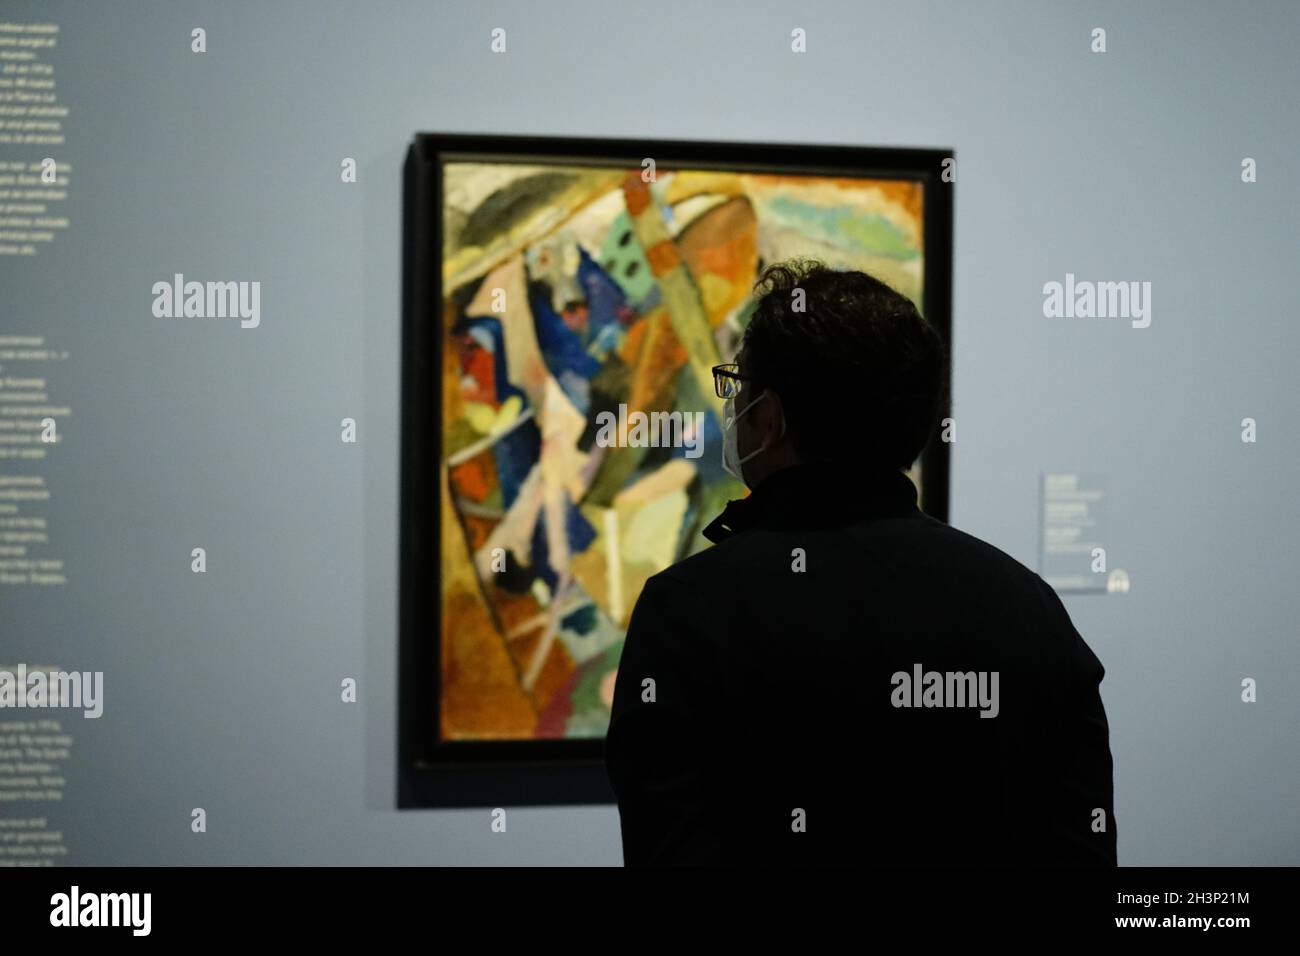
(860, 372)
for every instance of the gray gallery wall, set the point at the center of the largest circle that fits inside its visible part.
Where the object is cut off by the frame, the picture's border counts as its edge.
(223, 688)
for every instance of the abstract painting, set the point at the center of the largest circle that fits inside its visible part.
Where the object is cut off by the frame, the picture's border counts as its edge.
(571, 287)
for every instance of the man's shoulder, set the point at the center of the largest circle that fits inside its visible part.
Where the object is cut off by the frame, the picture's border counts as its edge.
(988, 566)
(931, 543)
(706, 568)
(964, 542)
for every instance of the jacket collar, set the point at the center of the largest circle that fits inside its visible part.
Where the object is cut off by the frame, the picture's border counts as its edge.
(814, 496)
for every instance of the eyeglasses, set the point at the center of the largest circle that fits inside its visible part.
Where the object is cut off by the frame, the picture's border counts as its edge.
(727, 379)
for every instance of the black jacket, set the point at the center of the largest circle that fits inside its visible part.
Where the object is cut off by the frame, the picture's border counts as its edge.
(776, 733)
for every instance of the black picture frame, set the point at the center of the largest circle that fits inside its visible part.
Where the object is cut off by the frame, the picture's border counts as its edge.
(438, 773)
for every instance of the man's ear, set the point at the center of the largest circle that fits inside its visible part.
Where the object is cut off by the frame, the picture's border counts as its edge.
(775, 425)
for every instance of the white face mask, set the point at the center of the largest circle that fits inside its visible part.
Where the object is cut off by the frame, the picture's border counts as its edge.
(730, 449)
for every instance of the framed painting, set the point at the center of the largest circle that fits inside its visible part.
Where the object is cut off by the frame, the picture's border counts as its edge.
(553, 287)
